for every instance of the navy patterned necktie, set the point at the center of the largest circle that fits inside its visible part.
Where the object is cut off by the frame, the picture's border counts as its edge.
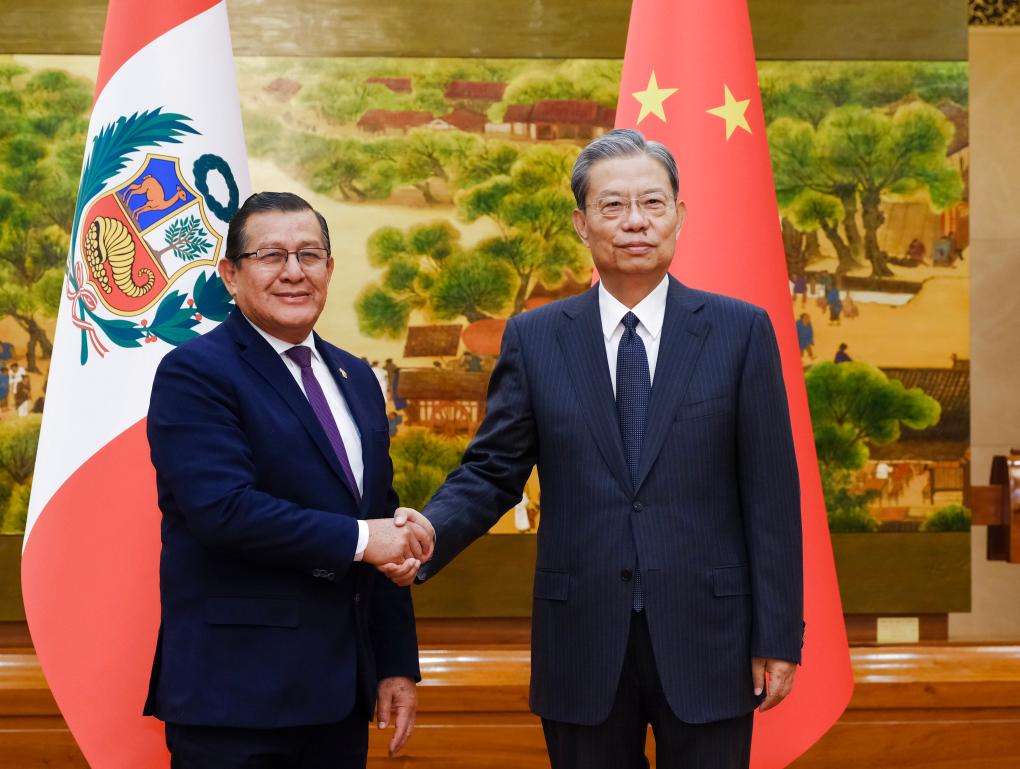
(633, 386)
(302, 356)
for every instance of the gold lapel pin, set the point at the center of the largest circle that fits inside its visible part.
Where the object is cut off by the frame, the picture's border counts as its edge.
(343, 373)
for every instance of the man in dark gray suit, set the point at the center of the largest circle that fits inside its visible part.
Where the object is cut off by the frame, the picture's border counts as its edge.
(668, 587)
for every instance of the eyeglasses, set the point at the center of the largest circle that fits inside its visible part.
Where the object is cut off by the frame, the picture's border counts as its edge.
(270, 259)
(652, 205)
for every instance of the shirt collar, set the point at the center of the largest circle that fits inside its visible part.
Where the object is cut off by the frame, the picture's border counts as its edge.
(650, 311)
(281, 346)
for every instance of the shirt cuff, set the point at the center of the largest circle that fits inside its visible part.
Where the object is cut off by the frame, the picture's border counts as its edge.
(359, 552)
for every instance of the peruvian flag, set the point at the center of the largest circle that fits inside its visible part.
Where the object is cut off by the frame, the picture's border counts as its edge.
(164, 171)
(689, 81)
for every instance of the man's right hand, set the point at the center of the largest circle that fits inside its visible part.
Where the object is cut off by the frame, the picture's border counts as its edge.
(403, 574)
(390, 542)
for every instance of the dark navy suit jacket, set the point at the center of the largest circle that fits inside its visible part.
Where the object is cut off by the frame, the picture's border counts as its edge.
(266, 621)
(714, 521)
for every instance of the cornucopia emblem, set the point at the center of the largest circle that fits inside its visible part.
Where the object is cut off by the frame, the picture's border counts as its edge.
(109, 241)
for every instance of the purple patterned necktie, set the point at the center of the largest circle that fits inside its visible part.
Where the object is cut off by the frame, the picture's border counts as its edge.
(302, 356)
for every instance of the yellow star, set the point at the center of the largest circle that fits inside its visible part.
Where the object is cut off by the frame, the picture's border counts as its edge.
(732, 111)
(652, 98)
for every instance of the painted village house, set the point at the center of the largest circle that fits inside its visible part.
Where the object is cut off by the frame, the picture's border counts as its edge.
(552, 119)
(444, 398)
(925, 469)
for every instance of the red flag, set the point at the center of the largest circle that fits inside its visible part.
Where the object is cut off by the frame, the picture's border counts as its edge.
(689, 81)
(165, 168)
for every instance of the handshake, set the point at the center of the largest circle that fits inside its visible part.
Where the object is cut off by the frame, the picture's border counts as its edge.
(398, 546)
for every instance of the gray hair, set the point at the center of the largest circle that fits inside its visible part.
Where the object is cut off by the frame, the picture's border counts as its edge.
(619, 143)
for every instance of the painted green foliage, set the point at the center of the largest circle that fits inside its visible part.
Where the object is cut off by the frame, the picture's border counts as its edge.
(853, 405)
(19, 439)
(43, 120)
(421, 462)
(427, 267)
(844, 137)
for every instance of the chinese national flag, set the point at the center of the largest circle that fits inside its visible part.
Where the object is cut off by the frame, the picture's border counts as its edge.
(689, 81)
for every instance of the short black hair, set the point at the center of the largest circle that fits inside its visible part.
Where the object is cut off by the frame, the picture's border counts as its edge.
(263, 202)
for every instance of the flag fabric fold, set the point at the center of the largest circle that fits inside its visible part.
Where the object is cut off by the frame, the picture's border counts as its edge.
(164, 170)
(690, 81)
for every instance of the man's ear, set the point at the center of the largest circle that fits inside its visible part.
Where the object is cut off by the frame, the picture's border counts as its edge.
(228, 272)
(681, 216)
(581, 226)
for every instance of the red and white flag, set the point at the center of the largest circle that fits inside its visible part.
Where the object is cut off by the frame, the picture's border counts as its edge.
(690, 81)
(165, 169)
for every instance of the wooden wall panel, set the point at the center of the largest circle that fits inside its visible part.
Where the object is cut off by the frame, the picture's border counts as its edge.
(784, 29)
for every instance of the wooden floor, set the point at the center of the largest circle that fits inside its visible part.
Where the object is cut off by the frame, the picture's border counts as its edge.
(936, 707)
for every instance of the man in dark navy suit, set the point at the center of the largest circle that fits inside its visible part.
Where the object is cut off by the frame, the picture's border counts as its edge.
(668, 586)
(277, 636)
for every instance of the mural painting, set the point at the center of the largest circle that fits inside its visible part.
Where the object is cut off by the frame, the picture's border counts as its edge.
(445, 186)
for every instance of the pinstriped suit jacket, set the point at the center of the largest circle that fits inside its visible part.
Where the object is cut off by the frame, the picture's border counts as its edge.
(714, 520)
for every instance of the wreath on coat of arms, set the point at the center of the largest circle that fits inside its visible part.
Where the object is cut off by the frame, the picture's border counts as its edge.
(132, 242)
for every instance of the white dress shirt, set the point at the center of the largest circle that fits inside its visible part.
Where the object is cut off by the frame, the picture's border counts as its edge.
(341, 414)
(649, 311)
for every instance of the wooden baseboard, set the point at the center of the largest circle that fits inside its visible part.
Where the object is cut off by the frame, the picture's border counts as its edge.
(914, 707)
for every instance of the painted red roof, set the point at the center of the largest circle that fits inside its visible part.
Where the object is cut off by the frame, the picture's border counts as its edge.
(518, 113)
(466, 119)
(572, 111)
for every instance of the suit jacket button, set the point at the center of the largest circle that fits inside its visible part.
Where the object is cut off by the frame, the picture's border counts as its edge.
(317, 573)
(626, 575)
(637, 507)
(357, 598)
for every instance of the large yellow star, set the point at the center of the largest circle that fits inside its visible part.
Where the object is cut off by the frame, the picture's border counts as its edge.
(732, 111)
(652, 98)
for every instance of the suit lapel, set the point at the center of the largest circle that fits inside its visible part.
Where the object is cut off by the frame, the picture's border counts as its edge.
(682, 338)
(267, 363)
(581, 340)
(356, 404)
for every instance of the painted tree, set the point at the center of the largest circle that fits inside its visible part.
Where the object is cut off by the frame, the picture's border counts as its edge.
(531, 206)
(856, 157)
(425, 155)
(426, 267)
(42, 137)
(854, 405)
(900, 155)
(800, 169)
(421, 462)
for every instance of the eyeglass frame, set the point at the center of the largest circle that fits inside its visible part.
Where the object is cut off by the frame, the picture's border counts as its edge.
(259, 260)
(629, 205)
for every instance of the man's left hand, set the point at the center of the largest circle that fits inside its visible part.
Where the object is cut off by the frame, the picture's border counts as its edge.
(780, 680)
(397, 699)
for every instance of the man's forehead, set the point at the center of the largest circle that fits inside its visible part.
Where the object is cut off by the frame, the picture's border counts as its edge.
(283, 224)
(631, 173)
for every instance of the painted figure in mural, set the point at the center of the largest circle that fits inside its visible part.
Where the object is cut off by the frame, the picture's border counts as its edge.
(916, 251)
(834, 302)
(270, 449)
(842, 356)
(668, 587)
(805, 336)
(944, 254)
(800, 288)
(23, 395)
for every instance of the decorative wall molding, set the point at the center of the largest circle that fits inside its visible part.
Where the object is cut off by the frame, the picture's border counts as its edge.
(994, 13)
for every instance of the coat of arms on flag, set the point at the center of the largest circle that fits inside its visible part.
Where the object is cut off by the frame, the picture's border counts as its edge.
(135, 241)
